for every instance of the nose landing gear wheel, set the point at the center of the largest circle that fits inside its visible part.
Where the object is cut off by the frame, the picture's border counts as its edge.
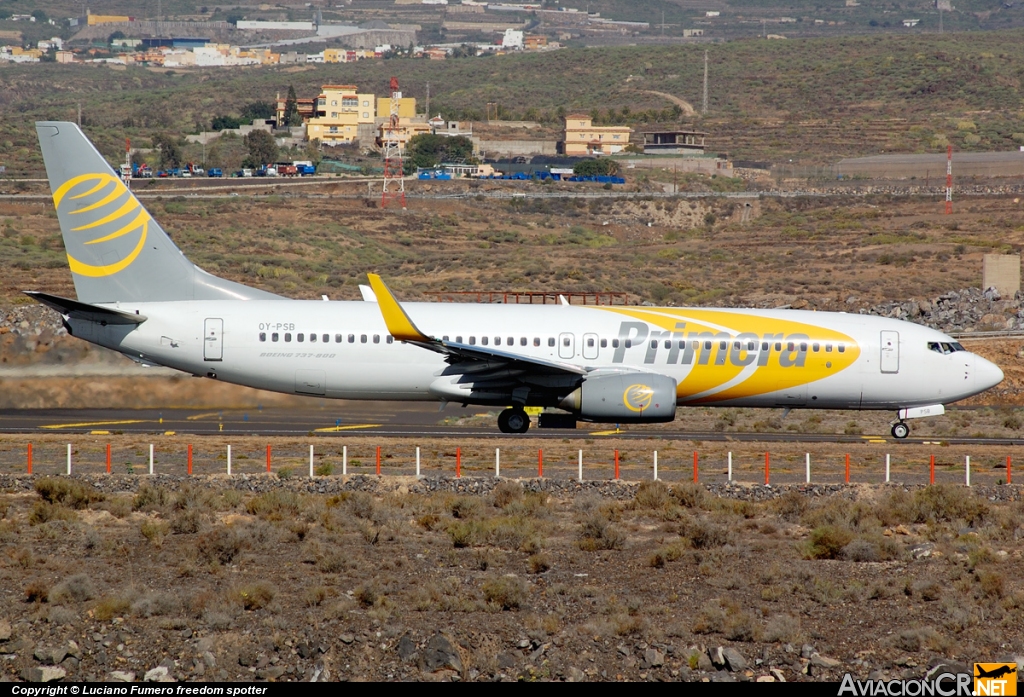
(900, 430)
(513, 421)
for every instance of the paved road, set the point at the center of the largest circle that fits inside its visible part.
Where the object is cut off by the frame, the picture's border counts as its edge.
(389, 419)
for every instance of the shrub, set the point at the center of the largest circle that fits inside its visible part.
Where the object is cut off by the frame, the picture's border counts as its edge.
(154, 531)
(37, 592)
(507, 492)
(324, 469)
(597, 532)
(67, 492)
(704, 534)
(77, 588)
(186, 522)
(150, 498)
(992, 583)
(652, 496)
(505, 592)
(220, 545)
(827, 542)
(690, 495)
(275, 505)
(110, 607)
(782, 628)
(539, 563)
(44, 512)
(254, 596)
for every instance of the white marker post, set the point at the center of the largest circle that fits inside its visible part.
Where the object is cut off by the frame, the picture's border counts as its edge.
(151, 458)
(887, 468)
(229, 460)
(344, 460)
(967, 471)
(808, 461)
(730, 467)
(497, 463)
(311, 462)
(581, 465)
(69, 460)
(417, 463)
(655, 465)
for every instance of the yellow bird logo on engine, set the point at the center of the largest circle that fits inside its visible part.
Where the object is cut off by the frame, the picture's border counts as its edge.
(116, 213)
(638, 397)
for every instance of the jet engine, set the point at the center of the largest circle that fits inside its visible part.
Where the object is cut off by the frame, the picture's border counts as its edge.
(624, 398)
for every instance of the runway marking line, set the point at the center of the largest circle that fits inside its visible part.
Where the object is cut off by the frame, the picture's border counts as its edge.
(604, 433)
(94, 423)
(877, 440)
(99, 433)
(345, 428)
(196, 417)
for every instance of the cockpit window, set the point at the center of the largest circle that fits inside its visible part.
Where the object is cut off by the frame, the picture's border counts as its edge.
(945, 348)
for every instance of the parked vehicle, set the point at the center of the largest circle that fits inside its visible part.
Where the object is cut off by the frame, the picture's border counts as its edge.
(286, 170)
(215, 172)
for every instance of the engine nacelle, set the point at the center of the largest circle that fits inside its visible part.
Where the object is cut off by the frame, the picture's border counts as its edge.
(624, 398)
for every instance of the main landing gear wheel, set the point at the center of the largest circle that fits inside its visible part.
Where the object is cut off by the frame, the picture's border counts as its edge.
(900, 430)
(513, 421)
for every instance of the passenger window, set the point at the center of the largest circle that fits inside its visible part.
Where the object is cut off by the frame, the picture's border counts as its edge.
(376, 338)
(312, 338)
(512, 341)
(828, 348)
(300, 338)
(338, 338)
(497, 341)
(351, 338)
(682, 343)
(590, 343)
(458, 340)
(263, 336)
(764, 345)
(803, 347)
(722, 345)
(483, 340)
(391, 339)
(287, 336)
(536, 341)
(790, 346)
(472, 341)
(615, 343)
(668, 343)
(444, 338)
(628, 343)
(326, 338)
(707, 345)
(565, 341)
(273, 337)
(778, 345)
(604, 343)
(551, 341)
(751, 345)
(654, 343)
(522, 341)
(841, 347)
(815, 347)
(735, 345)
(362, 338)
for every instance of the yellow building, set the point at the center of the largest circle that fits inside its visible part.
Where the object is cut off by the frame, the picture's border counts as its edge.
(406, 107)
(93, 20)
(338, 112)
(583, 138)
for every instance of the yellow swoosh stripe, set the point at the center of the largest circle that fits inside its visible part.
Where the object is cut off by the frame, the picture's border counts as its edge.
(140, 219)
(129, 205)
(102, 202)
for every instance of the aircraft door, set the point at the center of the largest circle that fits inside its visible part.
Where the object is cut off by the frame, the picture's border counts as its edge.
(889, 361)
(566, 345)
(590, 346)
(213, 340)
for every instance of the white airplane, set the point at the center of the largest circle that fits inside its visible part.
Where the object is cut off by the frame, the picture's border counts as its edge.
(138, 294)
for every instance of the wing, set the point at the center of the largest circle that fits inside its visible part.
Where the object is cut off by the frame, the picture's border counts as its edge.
(478, 374)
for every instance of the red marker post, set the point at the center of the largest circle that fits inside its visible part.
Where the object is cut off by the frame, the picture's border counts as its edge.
(847, 468)
(1009, 470)
(190, 459)
(540, 464)
(694, 466)
(931, 470)
(378, 460)
(30, 458)
(268, 458)
(458, 462)
(616, 464)
(108, 458)
(767, 470)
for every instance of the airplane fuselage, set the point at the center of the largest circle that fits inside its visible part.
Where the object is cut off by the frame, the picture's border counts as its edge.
(718, 357)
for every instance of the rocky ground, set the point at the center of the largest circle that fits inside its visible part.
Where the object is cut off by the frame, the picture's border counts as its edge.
(263, 578)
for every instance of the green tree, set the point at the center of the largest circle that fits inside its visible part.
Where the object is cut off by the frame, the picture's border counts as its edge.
(429, 150)
(116, 35)
(170, 150)
(599, 167)
(262, 148)
(257, 110)
(291, 109)
(39, 15)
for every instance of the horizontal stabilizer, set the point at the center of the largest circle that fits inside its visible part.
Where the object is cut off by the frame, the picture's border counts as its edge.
(84, 311)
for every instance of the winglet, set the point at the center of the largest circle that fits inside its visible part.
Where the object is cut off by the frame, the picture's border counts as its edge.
(398, 323)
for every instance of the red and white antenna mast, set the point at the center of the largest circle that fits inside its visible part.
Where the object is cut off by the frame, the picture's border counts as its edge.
(394, 177)
(949, 179)
(126, 168)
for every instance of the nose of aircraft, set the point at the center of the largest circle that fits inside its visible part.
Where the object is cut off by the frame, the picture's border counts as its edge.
(986, 373)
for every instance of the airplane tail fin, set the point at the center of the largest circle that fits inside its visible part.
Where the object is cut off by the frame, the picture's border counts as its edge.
(116, 250)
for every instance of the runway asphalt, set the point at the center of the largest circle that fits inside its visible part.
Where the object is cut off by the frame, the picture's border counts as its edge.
(389, 419)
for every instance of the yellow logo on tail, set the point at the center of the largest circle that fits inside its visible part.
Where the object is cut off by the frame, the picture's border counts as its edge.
(110, 193)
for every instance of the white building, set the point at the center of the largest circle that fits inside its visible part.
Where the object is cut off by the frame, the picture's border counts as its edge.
(513, 39)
